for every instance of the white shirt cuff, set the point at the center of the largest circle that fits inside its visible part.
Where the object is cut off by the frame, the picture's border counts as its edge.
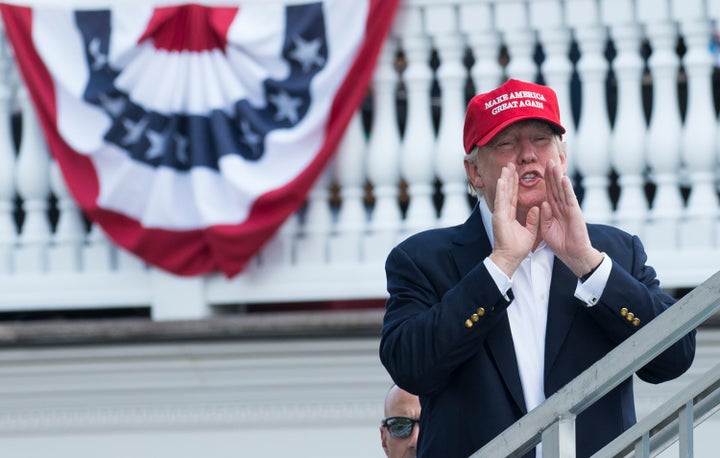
(503, 282)
(591, 289)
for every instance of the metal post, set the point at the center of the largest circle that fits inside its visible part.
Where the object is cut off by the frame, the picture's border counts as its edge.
(558, 440)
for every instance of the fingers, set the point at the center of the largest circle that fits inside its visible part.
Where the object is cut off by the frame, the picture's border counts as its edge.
(560, 193)
(553, 179)
(532, 221)
(545, 218)
(506, 192)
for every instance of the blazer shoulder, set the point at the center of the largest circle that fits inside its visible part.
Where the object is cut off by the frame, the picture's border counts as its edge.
(604, 232)
(439, 237)
(616, 242)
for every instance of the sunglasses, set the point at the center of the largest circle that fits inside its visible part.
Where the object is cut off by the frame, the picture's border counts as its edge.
(401, 427)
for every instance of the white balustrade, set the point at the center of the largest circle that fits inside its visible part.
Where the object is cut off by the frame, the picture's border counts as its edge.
(349, 172)
(98, 254)
(512, 19)
(312, 243)
(383, 159)
(629, 132)
(662, 147)
(593, 135)
(335, 247)
(278, 251)
(442, 24)
(698, 134)
(65, 252)
(416, 152)
(8, 232)
(478, 24)
(547, 17)
(33, 184)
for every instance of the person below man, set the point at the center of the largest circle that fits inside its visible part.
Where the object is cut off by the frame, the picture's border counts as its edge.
(398, 434)
(487, 319)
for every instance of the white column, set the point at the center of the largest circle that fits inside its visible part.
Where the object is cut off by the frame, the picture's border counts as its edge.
(32, 174)
(698, 136)
(478, 24)
(662, 148)
(512, 19)
(442, 24)
(278, 251)
(383, 159)
(311, 245)
(628, 137)
(127, 261)
(416, 156)
(98, 254)
(547, 17)
(8, 231)
(65, 252)
(593, 134)
(349, 168)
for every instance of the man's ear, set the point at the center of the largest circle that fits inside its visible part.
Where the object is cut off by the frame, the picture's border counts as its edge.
(471, 170)
(563, 157)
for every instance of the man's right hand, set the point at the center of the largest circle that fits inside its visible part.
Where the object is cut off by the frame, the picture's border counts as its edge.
(513, 241)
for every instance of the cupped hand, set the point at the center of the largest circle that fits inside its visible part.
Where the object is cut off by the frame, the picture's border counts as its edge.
(562, 224)
(513, 241)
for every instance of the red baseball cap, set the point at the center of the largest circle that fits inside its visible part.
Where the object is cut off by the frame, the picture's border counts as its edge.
(489, 113)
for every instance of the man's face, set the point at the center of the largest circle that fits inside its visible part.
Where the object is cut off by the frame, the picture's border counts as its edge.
(402, 404)
(529, 145)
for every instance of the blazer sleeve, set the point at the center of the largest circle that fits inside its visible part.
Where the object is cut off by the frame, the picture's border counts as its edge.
(633, 288)
(426, 334)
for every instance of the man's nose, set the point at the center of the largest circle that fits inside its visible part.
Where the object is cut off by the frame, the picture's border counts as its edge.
(527, 152)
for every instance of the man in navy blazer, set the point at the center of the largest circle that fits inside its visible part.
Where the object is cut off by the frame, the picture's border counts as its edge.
(487, 319)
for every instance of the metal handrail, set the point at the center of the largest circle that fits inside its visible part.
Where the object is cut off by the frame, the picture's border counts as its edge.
(661, 427)
(553, 422)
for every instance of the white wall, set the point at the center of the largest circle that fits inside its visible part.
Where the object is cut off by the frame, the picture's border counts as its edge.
(300, 398)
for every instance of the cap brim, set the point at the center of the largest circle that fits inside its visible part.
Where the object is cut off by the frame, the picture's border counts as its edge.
(557, 128)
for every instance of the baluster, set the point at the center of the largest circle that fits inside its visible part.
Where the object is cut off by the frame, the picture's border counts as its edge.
(350, 177)
(311, 245)
(383, 159)
(477, 23)
(33, 186)
(593, 134)
(698, 138)
(416, 155)
(8, 231)
(98, 252)
(512, 19)
(442, 25)
(547, 19)
(663, 141)
(628, 139)
(278, 251)
(127, 261)
(64, 254)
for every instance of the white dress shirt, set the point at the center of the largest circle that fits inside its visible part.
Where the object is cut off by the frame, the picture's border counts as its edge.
(528, 311)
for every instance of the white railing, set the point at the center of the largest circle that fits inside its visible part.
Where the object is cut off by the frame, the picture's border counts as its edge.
(653, 176)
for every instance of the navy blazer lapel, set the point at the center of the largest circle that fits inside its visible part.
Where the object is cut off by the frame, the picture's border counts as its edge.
(472, 245)
(500, 343)
(562, 307)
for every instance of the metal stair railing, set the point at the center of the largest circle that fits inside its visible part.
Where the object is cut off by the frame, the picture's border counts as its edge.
(553, 421)
(676, 417)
